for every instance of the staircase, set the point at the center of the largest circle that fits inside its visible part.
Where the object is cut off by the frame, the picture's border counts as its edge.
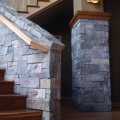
(13, 106)
(30, 7)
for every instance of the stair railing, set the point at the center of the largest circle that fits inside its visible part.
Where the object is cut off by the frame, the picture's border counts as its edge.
(22, 35)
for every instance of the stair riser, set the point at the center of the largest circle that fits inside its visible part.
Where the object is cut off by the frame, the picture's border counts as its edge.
(6, 88)
(1, 79)
(2, 72)
(12, 103)
(1, 76)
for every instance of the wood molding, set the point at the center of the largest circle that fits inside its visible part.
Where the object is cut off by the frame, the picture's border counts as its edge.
(22, 35)
(33, 12)
(89, 15)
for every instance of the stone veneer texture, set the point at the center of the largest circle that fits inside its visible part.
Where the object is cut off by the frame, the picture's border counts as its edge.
(90, 65)
(36, 74)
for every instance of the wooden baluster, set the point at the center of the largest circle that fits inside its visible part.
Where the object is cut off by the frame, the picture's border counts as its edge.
(14, 3)
(22, 5)
(32, 2)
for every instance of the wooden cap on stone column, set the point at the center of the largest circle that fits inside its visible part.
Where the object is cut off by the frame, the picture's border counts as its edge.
(89, 15)
(85, 5)
(83, 9)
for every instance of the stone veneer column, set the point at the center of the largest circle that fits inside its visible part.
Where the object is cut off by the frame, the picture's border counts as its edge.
(90, 61)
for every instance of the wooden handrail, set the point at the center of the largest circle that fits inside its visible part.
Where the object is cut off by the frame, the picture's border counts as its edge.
(22, 35)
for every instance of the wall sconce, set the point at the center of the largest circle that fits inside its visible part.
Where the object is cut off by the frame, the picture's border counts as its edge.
(93, 1)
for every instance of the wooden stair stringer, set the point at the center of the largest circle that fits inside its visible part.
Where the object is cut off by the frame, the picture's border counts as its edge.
(42, 7)
(21, 115)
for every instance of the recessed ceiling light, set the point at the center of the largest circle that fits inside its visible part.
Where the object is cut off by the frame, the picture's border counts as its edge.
(93, 1)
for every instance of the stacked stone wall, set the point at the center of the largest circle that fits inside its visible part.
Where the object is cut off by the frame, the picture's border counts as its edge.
(90, 65)
(35, 73)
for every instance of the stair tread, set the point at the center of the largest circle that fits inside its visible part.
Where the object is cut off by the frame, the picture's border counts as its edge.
(33, 6)
(6, 81)
(12, 95)
(23, 112)
(44, 0)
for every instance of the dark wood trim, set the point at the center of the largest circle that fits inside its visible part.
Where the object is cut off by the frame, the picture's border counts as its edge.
(36, 6)
(116, 104)
(22, 11)
(44, 0)
(89, 15)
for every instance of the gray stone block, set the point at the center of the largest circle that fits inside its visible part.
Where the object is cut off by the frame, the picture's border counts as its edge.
(38, 104)
(47, 115)
(86, 45)
(2, 41)
(94, 78)
(85, 55)
(3, 65)
(8, 41)
(80, 29)
(45, 83)
(90, 31)
(22, 67)
(11, 64)
(101, 34)
(36, 93)
(35, 58)
(8, 15)
(29, 82)
(30, 75)
(105, 67)
(101, 28)
(17, 54)
(7, 58)
(98, 97)
(101, 53)
(1, 25)
(10, 49)
(17, 81)
(4, 50)
(100, 62)
(23, 90)
(34, 68)
(17, 89)
(9, 77)
(25, 57)
(91, 69)
(11, 70)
